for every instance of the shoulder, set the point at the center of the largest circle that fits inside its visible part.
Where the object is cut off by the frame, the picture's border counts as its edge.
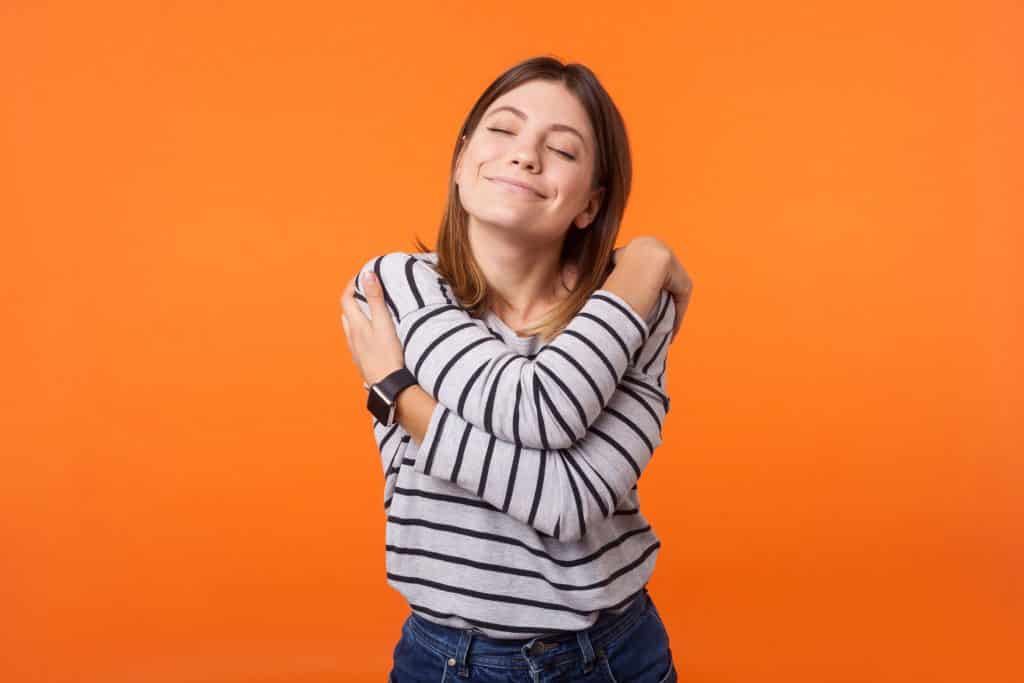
(409, 280)
(399, 262)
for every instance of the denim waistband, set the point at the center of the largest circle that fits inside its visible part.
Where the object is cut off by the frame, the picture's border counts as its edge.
(463, 643)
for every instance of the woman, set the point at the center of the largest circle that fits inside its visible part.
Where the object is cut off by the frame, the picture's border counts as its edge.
(536, 355)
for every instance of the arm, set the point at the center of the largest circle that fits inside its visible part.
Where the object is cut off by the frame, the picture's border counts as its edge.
(527, 401)
(393, 444)
(415, 407)
(564, 491)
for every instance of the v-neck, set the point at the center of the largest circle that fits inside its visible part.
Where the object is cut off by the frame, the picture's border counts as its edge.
(498, 322)
(526, 345)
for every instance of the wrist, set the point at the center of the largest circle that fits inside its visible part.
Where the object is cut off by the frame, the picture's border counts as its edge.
(378, 377)
(382, 395)
(414, 410)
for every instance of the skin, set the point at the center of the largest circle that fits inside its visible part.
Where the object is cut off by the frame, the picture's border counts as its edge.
(517, 237)
(377, 352)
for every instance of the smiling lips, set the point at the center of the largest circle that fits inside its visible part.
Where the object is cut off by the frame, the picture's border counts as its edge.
(516, 186)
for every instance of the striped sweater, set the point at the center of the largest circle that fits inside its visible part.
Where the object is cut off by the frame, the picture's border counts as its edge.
(519, 514)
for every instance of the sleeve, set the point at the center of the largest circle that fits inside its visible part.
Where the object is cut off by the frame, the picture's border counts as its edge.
(544, 401)
(393, 446)
(561, 492)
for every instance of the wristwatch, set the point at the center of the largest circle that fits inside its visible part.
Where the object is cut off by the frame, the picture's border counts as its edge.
(381, 401)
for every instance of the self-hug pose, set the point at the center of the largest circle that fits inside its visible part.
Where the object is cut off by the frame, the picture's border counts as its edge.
(516, 381)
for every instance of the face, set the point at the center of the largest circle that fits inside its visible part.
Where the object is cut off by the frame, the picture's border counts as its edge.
(527, 136)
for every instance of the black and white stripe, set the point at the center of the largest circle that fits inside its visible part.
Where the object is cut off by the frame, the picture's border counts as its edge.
(519, 513)
(445, 347)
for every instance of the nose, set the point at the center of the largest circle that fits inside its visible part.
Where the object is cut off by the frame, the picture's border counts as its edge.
(526, 157)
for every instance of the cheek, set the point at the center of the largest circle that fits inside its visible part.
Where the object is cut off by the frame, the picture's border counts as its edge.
(572, 188)
(471, 165)
(492, 147)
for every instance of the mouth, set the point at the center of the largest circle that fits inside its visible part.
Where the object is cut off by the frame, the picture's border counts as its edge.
(515, 187)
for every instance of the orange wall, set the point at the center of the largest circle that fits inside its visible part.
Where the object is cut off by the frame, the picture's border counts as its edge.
(190, 490)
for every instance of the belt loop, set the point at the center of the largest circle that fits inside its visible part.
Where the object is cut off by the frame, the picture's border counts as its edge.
(534, 648)
(462, 649)
(583, 638)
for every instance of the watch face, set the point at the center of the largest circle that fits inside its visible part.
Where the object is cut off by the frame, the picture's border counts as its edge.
(380, 408)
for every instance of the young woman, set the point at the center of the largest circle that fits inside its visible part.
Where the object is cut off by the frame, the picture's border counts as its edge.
(516, 378)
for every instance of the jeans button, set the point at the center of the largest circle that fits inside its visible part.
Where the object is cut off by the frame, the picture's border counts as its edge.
(451, 661)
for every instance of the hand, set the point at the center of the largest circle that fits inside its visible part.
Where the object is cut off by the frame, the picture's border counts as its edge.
(677, 280)
(376, 349)
(679, 285)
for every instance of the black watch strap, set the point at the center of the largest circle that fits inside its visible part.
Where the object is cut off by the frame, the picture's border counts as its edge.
(392, 385)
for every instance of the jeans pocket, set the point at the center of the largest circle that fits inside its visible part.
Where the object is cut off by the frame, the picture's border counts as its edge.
(641, 655)
(416, 662)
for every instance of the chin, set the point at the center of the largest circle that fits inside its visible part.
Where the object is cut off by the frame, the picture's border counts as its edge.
(505, 216)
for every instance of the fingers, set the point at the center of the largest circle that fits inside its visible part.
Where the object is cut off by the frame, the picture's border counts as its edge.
(682, 301)
(677, 322)
(352, 314)
(375, 298)
(346, 295)
(347, 291)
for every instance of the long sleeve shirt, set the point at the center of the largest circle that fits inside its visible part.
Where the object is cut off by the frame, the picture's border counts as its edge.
(519, 512)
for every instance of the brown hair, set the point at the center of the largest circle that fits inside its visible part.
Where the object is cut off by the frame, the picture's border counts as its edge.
(590, 249)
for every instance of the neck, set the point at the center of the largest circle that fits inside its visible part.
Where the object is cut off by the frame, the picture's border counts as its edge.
(525, 279)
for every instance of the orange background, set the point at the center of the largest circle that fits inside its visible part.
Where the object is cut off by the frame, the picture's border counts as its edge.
(190, 489)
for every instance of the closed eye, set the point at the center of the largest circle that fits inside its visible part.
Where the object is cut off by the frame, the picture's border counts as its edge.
(565, 154)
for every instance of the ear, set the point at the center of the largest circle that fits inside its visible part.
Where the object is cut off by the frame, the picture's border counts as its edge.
(593, 206)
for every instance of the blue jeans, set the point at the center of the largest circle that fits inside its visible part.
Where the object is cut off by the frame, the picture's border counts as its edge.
(632, 647)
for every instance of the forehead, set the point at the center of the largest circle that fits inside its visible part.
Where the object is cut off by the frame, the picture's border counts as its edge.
(545, 103)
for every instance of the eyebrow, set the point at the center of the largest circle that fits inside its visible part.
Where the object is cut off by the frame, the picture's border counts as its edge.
(554, 126)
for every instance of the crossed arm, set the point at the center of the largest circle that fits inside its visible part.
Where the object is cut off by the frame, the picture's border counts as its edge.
(546, 401)
(561, 488)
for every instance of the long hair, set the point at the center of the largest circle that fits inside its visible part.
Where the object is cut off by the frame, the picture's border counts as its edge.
(589, 250)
